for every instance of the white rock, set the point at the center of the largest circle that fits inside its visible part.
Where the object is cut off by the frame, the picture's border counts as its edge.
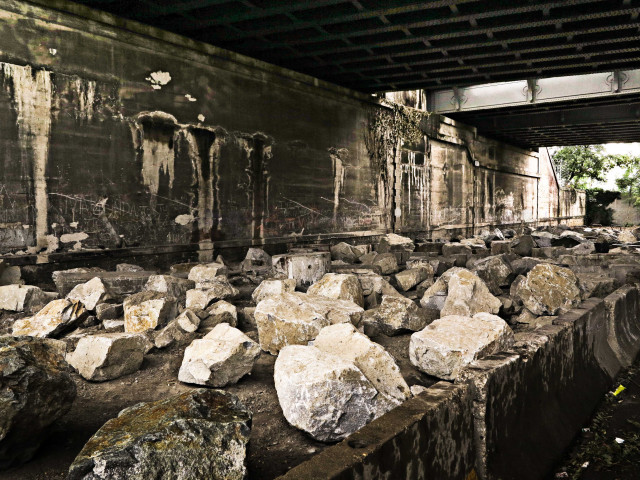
(203, 274)
(22, 298)
(147, 311)
(407, 279)
(344, 341)
(297, 318)
(222, 357)
(220, 312)
(172, 286)
(396, 240)
(216, 289)
(340, 286)
(625, 236)
(322, 394)
(180, 330)
(387, 262)
(109, 355)
(90, 293)
(450, 343)
(54, 319)
(273, 287)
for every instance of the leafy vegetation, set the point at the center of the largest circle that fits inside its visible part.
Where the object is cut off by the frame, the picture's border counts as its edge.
(597, 206)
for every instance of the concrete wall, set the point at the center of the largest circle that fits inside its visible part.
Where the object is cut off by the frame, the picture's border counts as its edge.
(527, 405)
(116, 135)
(625, 212)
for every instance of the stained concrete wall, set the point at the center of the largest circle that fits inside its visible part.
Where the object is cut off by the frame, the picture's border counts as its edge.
(527, 405)
(117, 135)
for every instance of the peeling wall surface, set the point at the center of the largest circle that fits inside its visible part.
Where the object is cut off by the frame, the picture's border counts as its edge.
(116, 139)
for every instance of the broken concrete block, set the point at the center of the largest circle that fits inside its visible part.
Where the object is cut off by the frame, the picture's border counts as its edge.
(387, 262)
(256, 260)
(307, 380)
(523, 245)
(216, 289)
(181, 270)
(199, 434)
(22, 298)
(596, 285)
(339, 286)
(36, 389)
(219, 312)
(109, 355)
(56, 318)
(449, 249)
(181, 330)
(222, 357)
(344, 341)
(397, 314)
(207, 273)
(584, 248)
(499, 247)
(464, 294)
(273, 287)
(11, 275)
(304, 268)
(89, 294)
(148, 311)
(172, 286)
(625, 236)
(407, 279)
(129, 267)
(297, 318)
(450, 343)
(547, 288)
(345, 252)
(109, 311)
(495, 271)
(118, 284)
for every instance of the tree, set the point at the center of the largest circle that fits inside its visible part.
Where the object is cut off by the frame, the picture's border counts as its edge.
(580, 165)
(629, 183)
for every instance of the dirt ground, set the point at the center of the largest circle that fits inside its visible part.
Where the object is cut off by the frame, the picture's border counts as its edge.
(274, 448)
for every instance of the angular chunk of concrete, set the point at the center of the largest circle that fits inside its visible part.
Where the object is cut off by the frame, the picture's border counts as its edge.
(109, 355)
(220, 312)
(57, 317)
(221, 358)
(397, 314)
(407, 279)
(322, 394)
(340, 286)
(272, 286)
(345, 252)
(297, 318)
(172, 286)
(547, 288)
(304, 268)
(22, 298)
(450, 343)
(90, 294)
(180, 330)
(216, 289)
(148, 311)
(203, 274)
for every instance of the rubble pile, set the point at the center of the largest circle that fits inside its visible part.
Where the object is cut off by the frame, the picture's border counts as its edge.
(325, 316)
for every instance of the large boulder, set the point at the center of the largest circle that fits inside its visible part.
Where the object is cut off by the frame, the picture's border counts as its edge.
(297, 318)
(273, 286)
(213, 290)
(118, 284)
(464, 294)
(387, 262)
(407, 279)
(222, 357)
(495, 271)
(304, 268)
(147, 311)
(345, 252)
(523, 245)
(324, 395)
(450, 343)
(36, 389)
(547, 288)
(109, 355)
(169, 285)
(90, 294)
(203, 274)
(344, 341)
(398, 314)
(198, 434)
(22, 298)
(57, 317)
(339, 286)
(374, 287)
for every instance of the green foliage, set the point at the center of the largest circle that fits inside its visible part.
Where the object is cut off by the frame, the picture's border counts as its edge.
(629, 183)
(579, 165)
(597, 203)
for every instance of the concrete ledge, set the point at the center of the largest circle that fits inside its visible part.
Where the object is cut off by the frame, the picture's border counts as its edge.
(623, 323)
(429, 436)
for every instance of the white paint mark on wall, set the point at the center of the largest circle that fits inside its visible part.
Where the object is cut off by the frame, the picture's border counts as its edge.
(73, 237)
(86, 91)
(185, 219)
(53, 51)
(32, 96)
(73, 224)
(158, 79)
(338, 157)
(190, 98)
(201, 118)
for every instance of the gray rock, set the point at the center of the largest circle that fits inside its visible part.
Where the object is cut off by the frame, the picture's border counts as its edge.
(36, 389)
(495, 271)
(109, 311)
(216, 289)
(256, 260)
(340, 286)
(322, 394)
(397, 314)
(118, 284)
(387, 262)
(547, 288)
(272, 286)
(172, 286)
(90, 293)
(345, 252)
(523, 245)
(304, 268)
(222, 357)
(147, 311)
(407, 279)
(449, 249)
(181, 330)
(220, 312)
(499, 247)
(56, 318)
(129, 267)
(196, 435)
(109, 355)
(207, 273)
